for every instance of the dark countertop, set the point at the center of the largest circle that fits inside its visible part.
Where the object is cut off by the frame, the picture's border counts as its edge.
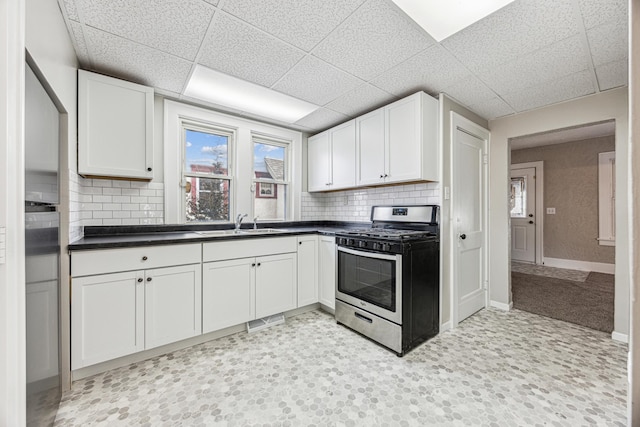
(104, 237)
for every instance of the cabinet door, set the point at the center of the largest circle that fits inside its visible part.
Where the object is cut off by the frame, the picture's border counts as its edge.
(307, 270)
(327, 267)
(172, 304)
(370, 148)
(42, 330)
(318, 157)
(343, 155)
(404, 148)
(228, 293)
(115, 127)
(107, 317)
(275, 284)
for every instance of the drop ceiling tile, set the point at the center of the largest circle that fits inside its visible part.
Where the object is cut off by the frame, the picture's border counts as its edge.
(243, 51)
(431, 71)
(173, 26)
(563, 89)
(213, 2)
(375, 38)
(361, 100)
(560, 59)
(316, 81)
(470, 91)
(596, 12)
(513, 31)
(132, 61)
(303, 23)
(71, 9)
(613, 74)
(79, 44)
(608, 42)
(321, 119)
(492, 109)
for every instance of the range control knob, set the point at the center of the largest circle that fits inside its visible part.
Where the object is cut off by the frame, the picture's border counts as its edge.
(377, 246)
(362, 244)
(350, 242)
(385, 247)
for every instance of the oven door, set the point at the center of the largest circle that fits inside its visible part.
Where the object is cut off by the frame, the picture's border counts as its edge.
(371, 281)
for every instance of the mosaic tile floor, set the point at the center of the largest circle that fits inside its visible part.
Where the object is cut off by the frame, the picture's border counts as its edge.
(541, 270)
(496, 369)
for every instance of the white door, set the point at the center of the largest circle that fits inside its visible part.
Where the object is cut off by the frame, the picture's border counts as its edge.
(228, 293)
(275, 284)
(468, 211)
(307, 270)
(173, 305)
(318, 158)
(523, 210)
(371, 148)
(343, 155)
(403, 136)
(107, 317)
(327, 271)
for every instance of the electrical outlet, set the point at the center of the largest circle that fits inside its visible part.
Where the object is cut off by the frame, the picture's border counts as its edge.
(551, 211)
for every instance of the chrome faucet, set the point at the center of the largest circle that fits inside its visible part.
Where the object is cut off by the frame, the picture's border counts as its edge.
(255, 222)
(239, 219)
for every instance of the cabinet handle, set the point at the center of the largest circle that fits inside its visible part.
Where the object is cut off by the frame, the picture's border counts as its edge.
(381, 176)
(299, 243)
(253, 265)
(385, 175)
(149, 169)
(144, 258)
(139, 279)
(259, 264)
(149, 279)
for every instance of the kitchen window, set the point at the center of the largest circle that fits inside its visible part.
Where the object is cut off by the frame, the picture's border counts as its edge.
(207, 176)
(270, 178)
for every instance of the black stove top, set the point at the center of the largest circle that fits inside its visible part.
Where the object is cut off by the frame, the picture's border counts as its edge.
(387, 233)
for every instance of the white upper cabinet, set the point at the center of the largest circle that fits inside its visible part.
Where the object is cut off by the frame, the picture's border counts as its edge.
(319, 159)
(331, 158)
(115, 127)
(371, 148)
(393, 144)
(399, 142)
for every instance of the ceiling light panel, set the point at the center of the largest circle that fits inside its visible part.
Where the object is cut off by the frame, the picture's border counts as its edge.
(222, 89)
(442, 18)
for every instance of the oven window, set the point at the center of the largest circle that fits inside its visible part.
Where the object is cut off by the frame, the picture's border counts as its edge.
(369, 279)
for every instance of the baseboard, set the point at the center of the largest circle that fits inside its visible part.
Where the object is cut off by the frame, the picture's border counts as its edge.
(571, 264)
(617, 336)
(445, 326)
(501, 305)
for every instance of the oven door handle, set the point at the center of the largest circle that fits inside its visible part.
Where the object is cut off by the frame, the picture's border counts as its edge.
(368, 254)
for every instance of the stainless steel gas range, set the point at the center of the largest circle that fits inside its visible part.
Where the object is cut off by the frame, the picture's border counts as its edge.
(388, 276)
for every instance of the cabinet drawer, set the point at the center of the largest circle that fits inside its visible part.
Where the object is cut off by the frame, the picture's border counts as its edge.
(102, 261)
(218, 251)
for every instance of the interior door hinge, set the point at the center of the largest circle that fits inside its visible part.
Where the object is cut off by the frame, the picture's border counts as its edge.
(485, 285)
(485, 159)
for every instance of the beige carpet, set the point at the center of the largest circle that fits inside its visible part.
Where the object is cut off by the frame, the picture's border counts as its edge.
(588, 303)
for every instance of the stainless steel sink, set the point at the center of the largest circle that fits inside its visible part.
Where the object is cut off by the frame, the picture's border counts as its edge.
(222, 233)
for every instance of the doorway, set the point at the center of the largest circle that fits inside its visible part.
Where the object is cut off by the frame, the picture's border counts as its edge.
(561, 264)
(527, 214)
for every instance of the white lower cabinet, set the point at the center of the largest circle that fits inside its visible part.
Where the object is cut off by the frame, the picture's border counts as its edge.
(107, 317)
(228, 293)
(275, 284)
(307, 270)
(172, 301)
(240, 290)
(327, 271)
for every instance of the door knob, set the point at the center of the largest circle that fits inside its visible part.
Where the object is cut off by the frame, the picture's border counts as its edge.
(530, 215)
(530, 222)
(463, 236)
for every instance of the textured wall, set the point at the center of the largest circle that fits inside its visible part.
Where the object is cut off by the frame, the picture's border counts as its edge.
(571, 186)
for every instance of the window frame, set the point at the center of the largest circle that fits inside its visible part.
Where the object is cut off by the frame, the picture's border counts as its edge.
(203, 127)
(260, 138)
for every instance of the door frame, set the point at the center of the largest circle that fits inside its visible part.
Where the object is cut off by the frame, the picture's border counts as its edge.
(539, 167)
(465, 125)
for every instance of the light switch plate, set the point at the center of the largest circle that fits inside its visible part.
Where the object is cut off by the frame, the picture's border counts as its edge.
(551, 211)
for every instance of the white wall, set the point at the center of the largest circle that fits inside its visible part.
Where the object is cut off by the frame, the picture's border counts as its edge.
(603, 106)
(12, 325)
